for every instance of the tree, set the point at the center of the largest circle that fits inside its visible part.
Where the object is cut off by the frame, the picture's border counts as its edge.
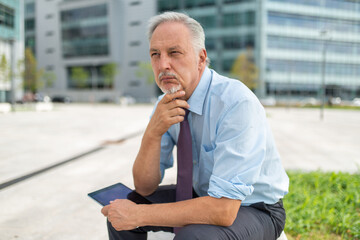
(109, 72)
(245, 70)
(48, 78)
(145, 70)
(32, 75)
(80, 76)
(5, 70)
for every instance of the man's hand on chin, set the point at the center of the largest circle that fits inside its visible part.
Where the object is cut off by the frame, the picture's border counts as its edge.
(122, 214)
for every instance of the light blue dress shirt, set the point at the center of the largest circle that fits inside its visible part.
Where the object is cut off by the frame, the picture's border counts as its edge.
(234, 153)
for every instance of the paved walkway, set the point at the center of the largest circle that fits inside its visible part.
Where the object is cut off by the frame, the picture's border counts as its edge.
(54, 204)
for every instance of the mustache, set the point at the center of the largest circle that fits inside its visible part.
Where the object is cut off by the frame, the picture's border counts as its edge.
(167, 74)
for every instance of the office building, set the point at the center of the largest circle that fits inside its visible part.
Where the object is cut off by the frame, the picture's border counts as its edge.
(300, 47)
(11, 48)
(76, 39)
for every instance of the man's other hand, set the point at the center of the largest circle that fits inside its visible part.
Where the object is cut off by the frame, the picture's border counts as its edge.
(122, 214)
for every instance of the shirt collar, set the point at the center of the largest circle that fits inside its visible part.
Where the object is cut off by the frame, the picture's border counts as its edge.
(197, 99)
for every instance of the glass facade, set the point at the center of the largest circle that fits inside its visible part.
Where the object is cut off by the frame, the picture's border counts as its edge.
(312, 67)
(312, 45)
(7, 16)
(30, 8)
(311, 22)
(95, 78)
(305, 61)
(238, 42)
(348, 5)
(85, 32)
(291, 58)
(166, 5)
(239, 19)
(229, 27)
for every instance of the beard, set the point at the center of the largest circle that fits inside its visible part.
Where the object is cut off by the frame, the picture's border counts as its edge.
(173, 89)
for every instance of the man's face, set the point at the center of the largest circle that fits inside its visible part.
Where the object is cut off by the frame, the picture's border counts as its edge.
(175, 64)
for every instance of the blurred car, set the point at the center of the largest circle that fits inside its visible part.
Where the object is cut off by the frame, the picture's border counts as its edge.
(334, 101)
(270, 101)
(61, 99)
(355, 102)
(309, 102)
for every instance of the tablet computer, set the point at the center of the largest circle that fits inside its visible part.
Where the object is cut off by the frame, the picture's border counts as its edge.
(117, 191)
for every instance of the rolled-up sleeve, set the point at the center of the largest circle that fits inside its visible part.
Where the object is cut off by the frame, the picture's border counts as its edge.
(239, 151)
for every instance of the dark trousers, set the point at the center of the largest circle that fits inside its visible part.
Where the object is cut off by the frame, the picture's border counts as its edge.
(258, 221)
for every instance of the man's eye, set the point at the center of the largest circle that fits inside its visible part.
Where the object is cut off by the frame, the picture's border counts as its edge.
(154, 54)
(175, 52)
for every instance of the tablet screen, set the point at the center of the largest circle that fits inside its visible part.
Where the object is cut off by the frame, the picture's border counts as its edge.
(105, 195)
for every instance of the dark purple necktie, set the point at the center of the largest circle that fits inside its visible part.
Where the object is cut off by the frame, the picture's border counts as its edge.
(184, 163)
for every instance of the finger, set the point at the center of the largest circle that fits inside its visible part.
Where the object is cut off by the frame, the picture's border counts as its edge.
(105, 210)
(177, 112)
(171, 96)
(178, 103)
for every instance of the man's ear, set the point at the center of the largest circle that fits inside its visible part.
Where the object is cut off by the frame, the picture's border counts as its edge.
(202, 58)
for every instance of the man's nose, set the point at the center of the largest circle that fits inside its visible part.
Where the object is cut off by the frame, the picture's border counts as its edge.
(164, 63)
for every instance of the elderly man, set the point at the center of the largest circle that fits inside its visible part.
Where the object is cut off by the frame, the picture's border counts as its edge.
(226, 152)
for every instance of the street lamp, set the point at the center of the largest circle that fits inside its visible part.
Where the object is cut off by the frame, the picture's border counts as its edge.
(12, 79)
(324, 34)
(94, 77)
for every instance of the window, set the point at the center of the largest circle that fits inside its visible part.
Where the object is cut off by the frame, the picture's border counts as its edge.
(227, 64)
(49, 16)
(49, 33)
(29, 24)
(232, 19)
(84, 13)
(88, 77)
(135, 23)
(204, 3)
(85, 41)
(134, 83)
(135, 43)
(6, 16)
(134, 3)
(299, 21)
(232, 42)
(30, 8)
(207, 21)
(49, 68)
(134, 63)
(166, 5)
(30, 43)
(237, 1)
(50, 50)
(210, 43)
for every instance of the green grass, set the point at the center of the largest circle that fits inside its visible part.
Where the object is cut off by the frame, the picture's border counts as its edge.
(323, 206)
(336, 107)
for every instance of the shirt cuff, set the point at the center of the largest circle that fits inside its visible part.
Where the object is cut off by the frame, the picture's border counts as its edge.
(230, 189)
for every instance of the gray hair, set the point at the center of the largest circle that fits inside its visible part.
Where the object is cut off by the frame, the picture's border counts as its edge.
(194, 27)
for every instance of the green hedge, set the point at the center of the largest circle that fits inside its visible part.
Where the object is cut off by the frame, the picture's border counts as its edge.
(323, 204)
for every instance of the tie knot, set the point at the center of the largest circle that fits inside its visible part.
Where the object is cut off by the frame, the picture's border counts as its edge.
(186, 114)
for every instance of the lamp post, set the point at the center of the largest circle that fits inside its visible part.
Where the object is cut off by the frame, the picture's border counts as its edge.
(12, 73)
(323, 33)
(93, 82)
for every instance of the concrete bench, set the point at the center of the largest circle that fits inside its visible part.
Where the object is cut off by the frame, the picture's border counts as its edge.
(167, 236)
(282, 236)
(5, 107)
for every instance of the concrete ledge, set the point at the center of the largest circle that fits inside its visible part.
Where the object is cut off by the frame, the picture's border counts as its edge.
(282, 236)
(44, 106)
(5, 107)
